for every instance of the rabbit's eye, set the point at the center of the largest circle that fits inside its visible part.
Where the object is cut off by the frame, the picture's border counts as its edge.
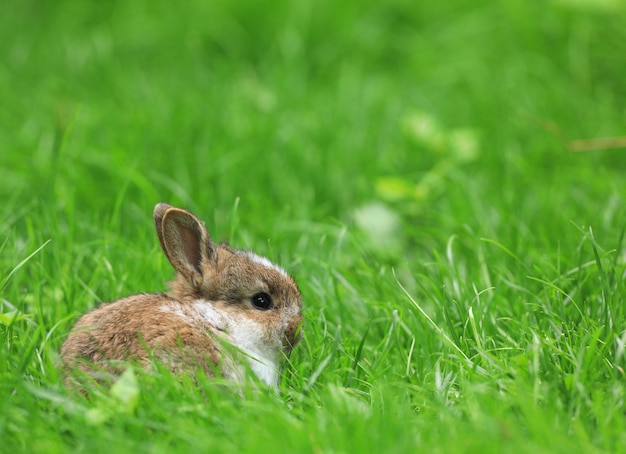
(262, 301)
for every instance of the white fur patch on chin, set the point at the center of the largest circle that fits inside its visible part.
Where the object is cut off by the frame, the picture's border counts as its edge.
(245, 334)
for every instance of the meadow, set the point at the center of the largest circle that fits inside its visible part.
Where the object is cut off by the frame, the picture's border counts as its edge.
(431, 173)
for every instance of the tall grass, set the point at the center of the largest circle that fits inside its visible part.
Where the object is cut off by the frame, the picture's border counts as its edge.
(411, 164)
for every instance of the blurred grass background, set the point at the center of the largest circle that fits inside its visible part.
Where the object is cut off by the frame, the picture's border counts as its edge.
(360, 145)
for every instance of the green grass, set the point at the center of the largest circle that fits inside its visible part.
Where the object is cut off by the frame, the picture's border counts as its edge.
(409, 162)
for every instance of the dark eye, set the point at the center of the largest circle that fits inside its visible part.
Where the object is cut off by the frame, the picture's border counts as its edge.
(262, 301)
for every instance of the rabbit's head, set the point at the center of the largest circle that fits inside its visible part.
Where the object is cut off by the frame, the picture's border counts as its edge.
(252, 302)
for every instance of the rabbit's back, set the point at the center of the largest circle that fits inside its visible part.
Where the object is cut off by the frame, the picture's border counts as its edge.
(139, 328)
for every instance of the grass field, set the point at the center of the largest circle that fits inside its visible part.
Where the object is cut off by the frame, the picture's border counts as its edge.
(426, 171)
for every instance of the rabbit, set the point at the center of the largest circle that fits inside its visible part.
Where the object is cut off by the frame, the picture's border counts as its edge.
(220, 296)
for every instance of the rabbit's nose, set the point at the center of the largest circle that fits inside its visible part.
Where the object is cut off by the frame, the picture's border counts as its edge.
(293, 334)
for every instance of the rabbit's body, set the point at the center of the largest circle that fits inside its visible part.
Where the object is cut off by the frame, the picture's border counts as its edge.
(221, 296)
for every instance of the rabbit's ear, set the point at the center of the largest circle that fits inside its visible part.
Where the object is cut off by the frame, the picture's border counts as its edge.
(184, 239)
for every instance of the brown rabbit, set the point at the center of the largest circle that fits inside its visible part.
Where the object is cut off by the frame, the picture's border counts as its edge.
(220, 296)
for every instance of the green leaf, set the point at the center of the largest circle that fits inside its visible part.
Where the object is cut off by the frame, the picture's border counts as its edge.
(8, 318)
(126, 391)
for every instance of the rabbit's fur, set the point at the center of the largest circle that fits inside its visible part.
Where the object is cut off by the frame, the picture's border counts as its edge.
(220, 296)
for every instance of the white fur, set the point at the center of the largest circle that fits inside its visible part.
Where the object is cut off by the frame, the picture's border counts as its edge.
(259, 260)
(243, 333)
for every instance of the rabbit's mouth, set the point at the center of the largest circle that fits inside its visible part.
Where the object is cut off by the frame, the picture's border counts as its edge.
(292, 336)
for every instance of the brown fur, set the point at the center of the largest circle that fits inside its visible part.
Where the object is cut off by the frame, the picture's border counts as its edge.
(172, 327)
